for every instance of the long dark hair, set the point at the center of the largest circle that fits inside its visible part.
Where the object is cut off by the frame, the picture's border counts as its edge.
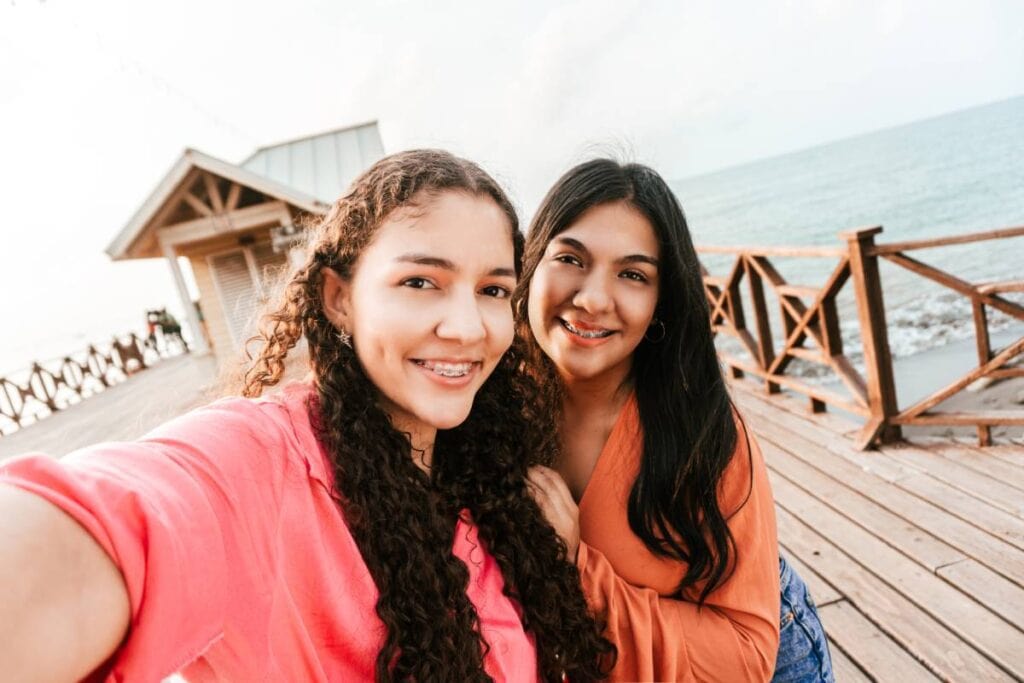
(685, 409)
(403, 519)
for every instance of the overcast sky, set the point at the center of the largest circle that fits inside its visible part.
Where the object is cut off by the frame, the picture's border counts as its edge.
(99, 98)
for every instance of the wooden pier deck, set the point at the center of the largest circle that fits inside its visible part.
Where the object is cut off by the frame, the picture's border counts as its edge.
(914, 552)
(122, 412)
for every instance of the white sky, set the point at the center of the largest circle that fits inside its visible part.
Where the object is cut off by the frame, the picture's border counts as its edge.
(98, 99)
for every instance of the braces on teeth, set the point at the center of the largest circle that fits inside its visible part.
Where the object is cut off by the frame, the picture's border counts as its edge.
(586, 335)
(446, 369)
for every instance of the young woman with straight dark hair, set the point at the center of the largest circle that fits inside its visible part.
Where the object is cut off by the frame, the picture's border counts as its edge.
(660, 490)
(369, 523)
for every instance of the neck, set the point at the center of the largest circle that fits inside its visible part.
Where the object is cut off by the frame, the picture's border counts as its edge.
(603, 393)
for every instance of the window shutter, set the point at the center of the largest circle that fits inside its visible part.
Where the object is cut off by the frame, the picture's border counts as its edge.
(270, 266)
(238, 293)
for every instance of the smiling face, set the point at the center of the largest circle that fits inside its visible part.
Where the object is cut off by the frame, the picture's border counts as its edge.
(594, 293)
(428, 308)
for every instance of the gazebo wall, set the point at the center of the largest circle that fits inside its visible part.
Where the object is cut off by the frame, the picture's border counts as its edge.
(233, 288)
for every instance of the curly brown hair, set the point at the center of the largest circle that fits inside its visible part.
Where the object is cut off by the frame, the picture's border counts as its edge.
(402, 518)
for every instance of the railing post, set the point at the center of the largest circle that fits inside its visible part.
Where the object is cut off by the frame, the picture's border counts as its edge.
(875, 337)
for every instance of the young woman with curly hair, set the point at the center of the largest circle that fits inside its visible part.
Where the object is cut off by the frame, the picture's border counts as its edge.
(660, 491)
(371, 523)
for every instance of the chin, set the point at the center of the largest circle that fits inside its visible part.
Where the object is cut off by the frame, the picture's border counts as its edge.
(446, 419)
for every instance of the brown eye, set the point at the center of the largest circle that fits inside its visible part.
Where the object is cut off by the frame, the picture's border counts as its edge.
(496, 291)
(569, 259)
(418, 283)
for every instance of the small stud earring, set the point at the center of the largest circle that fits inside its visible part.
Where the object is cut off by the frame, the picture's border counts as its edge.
(345, 338)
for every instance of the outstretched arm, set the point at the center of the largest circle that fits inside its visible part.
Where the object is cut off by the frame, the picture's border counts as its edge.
(64, 606)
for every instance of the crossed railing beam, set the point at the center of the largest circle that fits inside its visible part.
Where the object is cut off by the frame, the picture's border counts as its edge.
(48, 390)
(810, 315)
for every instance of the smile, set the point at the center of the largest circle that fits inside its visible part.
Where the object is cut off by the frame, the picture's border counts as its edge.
(593, 333)
(444, 369)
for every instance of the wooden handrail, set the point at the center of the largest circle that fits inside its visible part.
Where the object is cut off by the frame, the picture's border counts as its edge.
(48, 390)
(895, 247)
(809, 316)
(805, 252)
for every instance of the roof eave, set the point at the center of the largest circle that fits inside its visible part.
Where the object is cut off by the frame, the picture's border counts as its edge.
(121, 247)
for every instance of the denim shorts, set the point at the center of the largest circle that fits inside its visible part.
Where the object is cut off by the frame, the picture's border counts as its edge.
(803, 651)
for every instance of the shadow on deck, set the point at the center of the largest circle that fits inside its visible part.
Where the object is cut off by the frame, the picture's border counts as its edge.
(914, 552)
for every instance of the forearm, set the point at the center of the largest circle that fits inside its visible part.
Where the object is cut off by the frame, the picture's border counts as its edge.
(64, 607)
(666, 639)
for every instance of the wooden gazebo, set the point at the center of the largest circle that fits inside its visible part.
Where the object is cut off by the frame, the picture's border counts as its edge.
(235, 224)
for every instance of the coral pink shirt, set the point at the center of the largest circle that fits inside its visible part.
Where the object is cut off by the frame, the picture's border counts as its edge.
(735, 636)
(238, 562)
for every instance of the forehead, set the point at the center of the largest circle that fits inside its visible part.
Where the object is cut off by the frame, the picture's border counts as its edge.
(471, 231)
(615, 228)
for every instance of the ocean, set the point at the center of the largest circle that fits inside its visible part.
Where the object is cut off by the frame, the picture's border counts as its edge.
(953, 174)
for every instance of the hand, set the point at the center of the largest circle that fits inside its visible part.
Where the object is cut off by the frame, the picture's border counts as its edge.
(555, 500)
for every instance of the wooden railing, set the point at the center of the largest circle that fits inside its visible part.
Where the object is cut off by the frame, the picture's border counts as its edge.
(810, 329)
(45, 388)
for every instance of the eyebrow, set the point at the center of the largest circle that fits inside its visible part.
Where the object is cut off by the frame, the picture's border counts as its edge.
(631, 258)
(445, 264)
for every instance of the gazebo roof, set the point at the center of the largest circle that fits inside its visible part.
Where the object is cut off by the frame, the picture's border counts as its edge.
(321, 165)
(307, 173)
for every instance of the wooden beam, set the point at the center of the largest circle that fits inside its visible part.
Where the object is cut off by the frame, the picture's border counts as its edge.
(1001, 287)
(766, 351)
(984, 355)
(197, 204)
(813, 252)
(268, 213)
(234, 194)
(896, 247)
(214, 193)
(957, 285)
(829, 397)
(941, 395)
(867, 285)
(169, 206)
(990, 417)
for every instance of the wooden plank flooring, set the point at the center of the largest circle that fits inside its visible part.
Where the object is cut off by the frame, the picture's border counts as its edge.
(914, 553)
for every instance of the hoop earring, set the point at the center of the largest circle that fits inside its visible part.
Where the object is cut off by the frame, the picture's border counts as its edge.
(345, 338)
(655, 325)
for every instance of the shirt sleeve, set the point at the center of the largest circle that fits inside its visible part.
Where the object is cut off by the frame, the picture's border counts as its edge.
(179, 512)
(735, 635)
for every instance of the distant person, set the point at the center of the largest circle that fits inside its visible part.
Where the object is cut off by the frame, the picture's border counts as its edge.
(372, 522)
(660, 490)
(151, 318)
(171, 329)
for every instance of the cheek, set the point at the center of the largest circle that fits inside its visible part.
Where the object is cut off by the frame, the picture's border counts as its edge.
(640, 307)
(501, 327)
(546, 292)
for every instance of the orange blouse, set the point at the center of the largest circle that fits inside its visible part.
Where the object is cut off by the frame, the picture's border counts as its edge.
(735, 636)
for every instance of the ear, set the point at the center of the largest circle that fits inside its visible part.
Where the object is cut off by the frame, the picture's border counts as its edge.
(335, 294)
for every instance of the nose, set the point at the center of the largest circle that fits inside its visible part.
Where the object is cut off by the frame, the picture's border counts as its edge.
(593, 296)
(462, 320)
